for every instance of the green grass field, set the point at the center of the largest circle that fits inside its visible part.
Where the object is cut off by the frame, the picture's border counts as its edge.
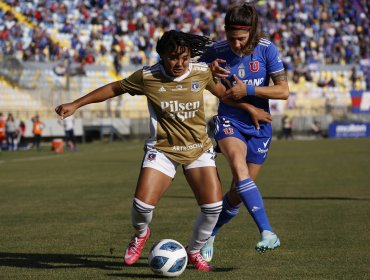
(67, 216)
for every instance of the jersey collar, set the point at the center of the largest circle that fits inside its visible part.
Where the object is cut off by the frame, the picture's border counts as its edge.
(176, 79)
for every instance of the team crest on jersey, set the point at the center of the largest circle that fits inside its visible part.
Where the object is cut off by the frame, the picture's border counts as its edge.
(254, 66)
(241, 71)
(152, 156)
(195, 86)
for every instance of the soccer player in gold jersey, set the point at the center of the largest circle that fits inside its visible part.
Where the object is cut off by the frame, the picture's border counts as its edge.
(174, 89)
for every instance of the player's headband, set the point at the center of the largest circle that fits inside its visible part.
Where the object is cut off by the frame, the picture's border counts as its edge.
(246, 27)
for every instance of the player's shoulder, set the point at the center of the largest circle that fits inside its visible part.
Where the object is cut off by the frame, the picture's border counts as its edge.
(149, 71)
(221, 47)
(264, 43)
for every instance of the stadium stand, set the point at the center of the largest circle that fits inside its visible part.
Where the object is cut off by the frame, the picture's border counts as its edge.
(54, 50)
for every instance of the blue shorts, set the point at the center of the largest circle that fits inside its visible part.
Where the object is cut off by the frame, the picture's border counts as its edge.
(257, 147)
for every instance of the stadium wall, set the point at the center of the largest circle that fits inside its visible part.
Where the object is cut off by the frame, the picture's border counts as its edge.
(29, 88)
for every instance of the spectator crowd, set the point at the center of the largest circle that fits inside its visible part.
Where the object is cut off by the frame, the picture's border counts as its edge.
(305, 31)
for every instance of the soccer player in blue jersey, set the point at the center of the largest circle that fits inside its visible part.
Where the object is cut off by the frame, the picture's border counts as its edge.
(247, 61)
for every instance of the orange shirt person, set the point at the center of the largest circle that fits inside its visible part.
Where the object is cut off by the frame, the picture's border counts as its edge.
(37, 130)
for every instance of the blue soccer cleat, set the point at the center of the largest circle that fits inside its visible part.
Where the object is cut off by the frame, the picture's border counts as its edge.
(207, 249)
(269, 241)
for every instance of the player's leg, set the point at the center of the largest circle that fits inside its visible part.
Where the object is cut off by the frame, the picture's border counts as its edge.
(232, 142)
(206, 187)
(154, 179)
(231, 206)
(234, 150)
(256, 156)
(232, 201)
(224, 131)
(245, 186)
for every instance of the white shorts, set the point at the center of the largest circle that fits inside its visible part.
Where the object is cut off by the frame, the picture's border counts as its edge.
(154, 158)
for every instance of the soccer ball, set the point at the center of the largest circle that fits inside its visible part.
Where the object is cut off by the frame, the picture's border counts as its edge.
(168, 258)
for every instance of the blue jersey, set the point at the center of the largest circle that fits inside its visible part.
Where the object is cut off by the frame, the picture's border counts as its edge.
(253, 69)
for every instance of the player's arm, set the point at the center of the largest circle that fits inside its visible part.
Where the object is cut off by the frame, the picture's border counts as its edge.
(98, 95)
(257, 115)
(280, 89)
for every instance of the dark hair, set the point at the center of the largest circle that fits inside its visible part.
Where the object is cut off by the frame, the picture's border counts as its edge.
(245, 16)
(171, 40)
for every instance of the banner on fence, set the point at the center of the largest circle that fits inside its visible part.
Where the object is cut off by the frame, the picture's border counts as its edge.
(360, 101)
(349, 130)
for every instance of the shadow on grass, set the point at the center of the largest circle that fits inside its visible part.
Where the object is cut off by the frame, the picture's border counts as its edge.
(73, 261)
(290, 197)
(315, 198)
(57, 261)
(151, 275)
(138, 275)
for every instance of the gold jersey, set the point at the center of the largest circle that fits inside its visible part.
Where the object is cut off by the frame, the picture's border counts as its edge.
(177, 119)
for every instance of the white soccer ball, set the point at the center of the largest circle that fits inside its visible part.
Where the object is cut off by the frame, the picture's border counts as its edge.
(168, 258)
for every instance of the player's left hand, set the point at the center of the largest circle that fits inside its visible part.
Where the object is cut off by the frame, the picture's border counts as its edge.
(238, 91)
(218, 70)
(259, 115)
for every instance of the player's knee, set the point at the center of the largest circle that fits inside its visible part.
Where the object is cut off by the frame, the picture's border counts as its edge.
(239, 170)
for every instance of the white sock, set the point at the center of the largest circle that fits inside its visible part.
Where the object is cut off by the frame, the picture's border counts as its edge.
(204, 225)
(141, 216)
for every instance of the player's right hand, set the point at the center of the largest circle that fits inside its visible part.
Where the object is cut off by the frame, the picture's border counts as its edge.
(65, 110)
(217, 70)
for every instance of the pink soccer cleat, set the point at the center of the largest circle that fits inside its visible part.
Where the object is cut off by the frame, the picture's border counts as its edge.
(134, 248)
(197, 260)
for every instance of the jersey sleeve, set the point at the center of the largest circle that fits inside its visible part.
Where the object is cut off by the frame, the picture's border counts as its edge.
(208, 56)
(210, 83)
(134, 84)
(274, 63)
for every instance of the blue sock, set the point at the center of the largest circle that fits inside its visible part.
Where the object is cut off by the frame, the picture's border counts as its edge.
(228, 212)
(252, 200)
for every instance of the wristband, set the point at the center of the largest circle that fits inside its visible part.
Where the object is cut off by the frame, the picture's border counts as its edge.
(251, 90)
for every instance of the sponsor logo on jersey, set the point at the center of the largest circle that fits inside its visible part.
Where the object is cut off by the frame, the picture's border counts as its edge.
(162, 89)
(179, 88)
(195, 86)
(254, 82)
(254, 66)
(187, 148)
(180, 110)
